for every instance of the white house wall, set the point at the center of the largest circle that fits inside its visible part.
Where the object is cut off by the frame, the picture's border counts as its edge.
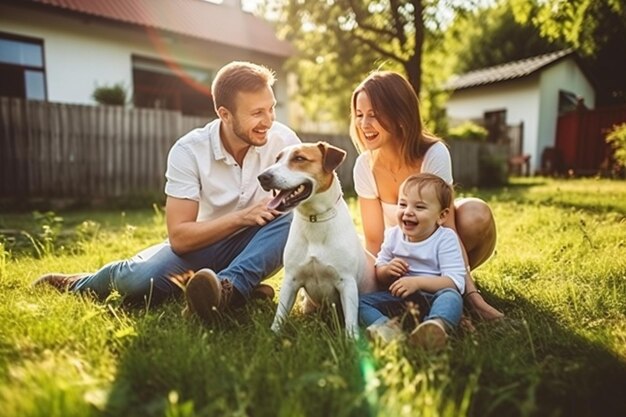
(82, 53)
(566, 76)
(520, 99)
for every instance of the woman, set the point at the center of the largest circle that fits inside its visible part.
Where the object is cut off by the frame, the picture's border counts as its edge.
(386, 127)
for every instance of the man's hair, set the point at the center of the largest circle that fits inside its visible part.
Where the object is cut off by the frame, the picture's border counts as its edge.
(443, 190)
(239, 76)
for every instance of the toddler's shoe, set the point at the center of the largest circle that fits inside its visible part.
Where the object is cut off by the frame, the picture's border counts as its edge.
(430, 335)
(386, 332)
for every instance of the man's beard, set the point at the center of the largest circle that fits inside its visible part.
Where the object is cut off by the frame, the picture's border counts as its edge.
(245, 137)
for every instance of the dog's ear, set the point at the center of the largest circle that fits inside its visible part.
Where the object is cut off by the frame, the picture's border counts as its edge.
(332, 156)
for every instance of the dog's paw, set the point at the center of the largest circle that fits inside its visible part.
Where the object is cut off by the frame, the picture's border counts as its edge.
(275, 327)
(352, 332)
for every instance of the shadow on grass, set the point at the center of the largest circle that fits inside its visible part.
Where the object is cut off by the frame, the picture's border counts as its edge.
(178, 367)
(532, 365)
(528, 365)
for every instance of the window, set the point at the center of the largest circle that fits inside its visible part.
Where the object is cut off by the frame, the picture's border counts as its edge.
(173, 87)
(495, 123)
(22, 69)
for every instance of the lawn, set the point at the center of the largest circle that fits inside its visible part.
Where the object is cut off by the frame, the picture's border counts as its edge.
(559, 274)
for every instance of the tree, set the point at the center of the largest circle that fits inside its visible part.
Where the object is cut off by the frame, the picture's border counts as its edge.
(595, 28)
(491, 36)
(339, 42)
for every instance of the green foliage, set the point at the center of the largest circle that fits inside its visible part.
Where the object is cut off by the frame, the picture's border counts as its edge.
(112, 95)
(45, 241)
(338, 43)
(468, 130)
(4, 259)
(575, 21)
(492, 170)
(558, 273)
(595, 29)
(617, 139)
(490, 36)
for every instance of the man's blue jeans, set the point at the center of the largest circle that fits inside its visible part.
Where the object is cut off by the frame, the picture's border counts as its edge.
(245, 259)
(445, 304)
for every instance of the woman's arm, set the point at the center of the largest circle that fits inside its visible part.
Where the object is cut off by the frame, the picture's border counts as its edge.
(373, 224)
(471, 295)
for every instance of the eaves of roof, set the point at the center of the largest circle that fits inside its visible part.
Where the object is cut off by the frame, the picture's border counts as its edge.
(505, 72)
(192, 18)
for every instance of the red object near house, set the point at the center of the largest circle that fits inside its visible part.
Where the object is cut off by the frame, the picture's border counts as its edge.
(580, 139)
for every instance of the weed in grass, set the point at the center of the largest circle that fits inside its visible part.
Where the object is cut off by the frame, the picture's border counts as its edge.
(158, 217)
(87, 234)
(50, 225)
(4, 259)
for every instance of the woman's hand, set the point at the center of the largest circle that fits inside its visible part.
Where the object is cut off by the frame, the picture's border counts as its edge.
(478, 305)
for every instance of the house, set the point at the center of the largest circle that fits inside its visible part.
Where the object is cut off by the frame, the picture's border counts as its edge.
(520, 101)
(163, 52)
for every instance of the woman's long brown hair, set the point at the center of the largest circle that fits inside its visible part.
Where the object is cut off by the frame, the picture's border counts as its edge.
(397, 110)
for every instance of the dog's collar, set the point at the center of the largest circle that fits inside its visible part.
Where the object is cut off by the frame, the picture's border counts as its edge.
(322, 217)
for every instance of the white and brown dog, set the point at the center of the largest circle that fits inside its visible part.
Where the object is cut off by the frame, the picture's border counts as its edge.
(323, 254)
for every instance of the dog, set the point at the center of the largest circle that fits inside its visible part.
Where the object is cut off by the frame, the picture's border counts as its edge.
(323, 253)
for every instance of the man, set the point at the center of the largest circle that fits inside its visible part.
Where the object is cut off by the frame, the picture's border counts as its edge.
(216, 211)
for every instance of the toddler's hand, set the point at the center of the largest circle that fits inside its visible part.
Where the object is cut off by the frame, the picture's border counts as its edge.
(403, 287)
(397, 267)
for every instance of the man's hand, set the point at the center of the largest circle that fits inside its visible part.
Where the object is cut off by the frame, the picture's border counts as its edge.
(259, 214)
(403, 287)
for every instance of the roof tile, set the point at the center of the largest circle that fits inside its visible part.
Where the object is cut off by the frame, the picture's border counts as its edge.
(508, 71)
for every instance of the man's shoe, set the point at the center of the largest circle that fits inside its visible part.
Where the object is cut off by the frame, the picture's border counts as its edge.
(206, 295)
(430, 335)
(263, 292)
(61, 282)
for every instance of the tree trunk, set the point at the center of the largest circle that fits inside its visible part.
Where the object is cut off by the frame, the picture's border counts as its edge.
(413, 65)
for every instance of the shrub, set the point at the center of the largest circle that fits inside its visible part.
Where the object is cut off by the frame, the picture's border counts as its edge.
(617, 139)
(468, 131)
(114, 95)
(492, 170)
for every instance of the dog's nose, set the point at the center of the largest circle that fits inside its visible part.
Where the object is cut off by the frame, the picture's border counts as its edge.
(265, 178)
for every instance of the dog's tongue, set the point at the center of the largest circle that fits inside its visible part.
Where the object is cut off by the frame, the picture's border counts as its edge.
(278, 199)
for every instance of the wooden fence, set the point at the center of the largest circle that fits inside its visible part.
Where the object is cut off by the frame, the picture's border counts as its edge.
(63, 151)
(72, 151)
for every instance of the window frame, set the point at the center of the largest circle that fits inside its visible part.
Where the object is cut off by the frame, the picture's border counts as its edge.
(25, 68)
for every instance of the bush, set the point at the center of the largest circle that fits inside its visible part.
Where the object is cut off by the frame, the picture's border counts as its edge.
(492, 170)
(114, 95)
(617, 139)
(468, 131)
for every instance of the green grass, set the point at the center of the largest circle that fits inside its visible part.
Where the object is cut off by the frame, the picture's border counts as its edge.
(559, 274)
